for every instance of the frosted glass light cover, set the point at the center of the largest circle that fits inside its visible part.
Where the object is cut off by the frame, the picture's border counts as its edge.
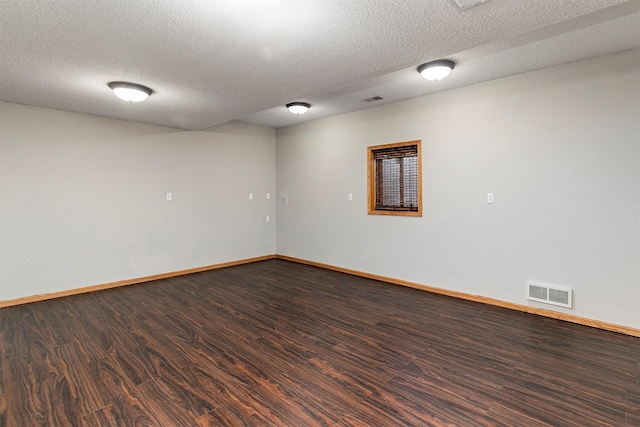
(129, 94)
(436, 70)
(298, 109)
(436, 73)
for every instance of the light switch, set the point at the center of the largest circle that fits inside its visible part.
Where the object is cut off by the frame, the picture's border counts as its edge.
(268, 218)
(350, 196)
(491, 198)
(268, 196)
(168, 196)
(250, 196)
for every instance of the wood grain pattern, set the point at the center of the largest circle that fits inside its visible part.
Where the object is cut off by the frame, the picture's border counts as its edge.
(607, 326)
(276, 343)
(134, 281)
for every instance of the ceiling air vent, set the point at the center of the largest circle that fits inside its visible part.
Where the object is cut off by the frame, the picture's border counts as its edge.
(467, 4)
(550, 294)
(374, 99)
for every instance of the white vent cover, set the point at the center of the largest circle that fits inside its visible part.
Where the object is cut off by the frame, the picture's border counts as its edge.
(467, 4)
(550, 294)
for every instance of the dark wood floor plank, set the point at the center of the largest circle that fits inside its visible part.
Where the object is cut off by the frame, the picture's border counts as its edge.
(3, 399)
(76, 381)
(328, 387)
(229, 391)
(281, 344)
(171, 404)
(128, 406)
(104, 417)
(131, 357)
(632, 419)
(34, 403)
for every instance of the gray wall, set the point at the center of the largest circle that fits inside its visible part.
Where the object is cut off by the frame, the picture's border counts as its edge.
(558, 147)
(83, 198)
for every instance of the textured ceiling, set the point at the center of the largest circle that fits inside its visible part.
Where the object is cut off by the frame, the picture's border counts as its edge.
(209, 62)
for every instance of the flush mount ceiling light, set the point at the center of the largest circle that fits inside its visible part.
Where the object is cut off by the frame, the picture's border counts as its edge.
(298, 108)
(436, 70)
(130, 92)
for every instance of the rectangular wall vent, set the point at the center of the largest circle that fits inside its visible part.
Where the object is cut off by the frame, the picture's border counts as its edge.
(550, 294)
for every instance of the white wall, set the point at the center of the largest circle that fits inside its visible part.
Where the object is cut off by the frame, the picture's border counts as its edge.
(83, 198)
(558, 147)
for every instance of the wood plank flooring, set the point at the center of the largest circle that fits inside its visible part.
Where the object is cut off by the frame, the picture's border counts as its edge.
(275, 343)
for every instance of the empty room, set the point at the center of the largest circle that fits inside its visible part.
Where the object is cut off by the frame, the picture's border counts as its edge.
(332, 213)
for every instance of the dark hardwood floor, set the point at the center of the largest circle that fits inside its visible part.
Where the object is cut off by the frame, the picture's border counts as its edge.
(281, 344)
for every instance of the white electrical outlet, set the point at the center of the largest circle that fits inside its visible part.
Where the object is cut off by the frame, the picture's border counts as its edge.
(491, 198)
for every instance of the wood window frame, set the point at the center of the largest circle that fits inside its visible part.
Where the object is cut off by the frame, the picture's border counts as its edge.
(373, 185)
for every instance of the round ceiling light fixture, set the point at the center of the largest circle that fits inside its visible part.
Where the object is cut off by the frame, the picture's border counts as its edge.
(130, 92)
(436, 70)
(298, 108)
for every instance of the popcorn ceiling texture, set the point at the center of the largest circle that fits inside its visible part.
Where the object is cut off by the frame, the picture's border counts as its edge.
(215, 61)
